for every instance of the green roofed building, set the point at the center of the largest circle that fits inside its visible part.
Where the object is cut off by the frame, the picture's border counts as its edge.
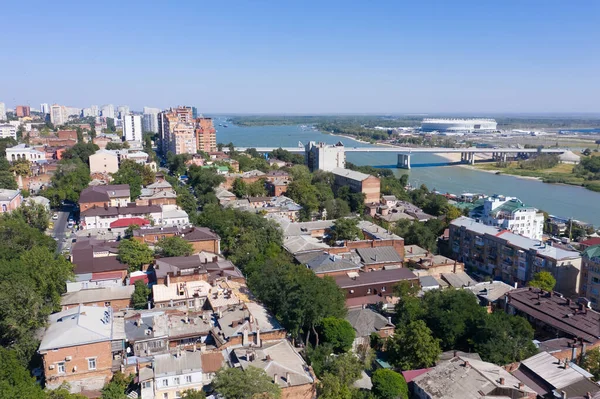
(590, 279)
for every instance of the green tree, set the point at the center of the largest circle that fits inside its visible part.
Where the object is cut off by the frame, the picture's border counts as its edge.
(591, 362)
(174, 246)
(110, 124)
(345, 229)
(81, 151)
(177, 163)
(413, 347)
(139, 299)
(504, 339)
(239, 188)
(134, 254)
(387, 384)
(338, 332)
(15, 380)
(543, 280)
(452, 213)
(134, 174)
(34, 214)
(21, 167)
(330, 387)
(117, 386)
(70, 178)
(193, 394)
(7, 180)
(305, 194)
(235, 383)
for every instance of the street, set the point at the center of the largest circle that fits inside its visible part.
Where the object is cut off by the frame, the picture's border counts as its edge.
(60, 229)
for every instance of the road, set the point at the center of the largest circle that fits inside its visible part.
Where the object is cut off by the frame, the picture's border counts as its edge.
(60, 229)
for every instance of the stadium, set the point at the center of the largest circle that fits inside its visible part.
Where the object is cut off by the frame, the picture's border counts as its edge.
(458, 125)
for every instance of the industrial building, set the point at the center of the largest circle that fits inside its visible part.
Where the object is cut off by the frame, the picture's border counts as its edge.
(458, 125)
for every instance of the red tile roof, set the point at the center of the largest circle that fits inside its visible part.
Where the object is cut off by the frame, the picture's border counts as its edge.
(412, 374)
(126, 222)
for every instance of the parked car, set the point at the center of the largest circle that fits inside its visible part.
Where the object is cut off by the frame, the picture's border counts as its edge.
(55, 216)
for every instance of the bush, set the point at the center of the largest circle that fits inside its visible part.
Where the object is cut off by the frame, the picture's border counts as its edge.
(388, 384)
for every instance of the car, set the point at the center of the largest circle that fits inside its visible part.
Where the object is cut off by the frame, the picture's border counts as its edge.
(70, 224)
(55, 216)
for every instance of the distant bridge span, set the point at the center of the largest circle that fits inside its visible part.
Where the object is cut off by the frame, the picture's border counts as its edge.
(404, 153)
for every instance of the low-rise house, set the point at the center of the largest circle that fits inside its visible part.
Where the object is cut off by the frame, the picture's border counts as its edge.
(491, 294)
(366, 322)
(389, 200)
(201, 238)
(43, 201)
(112, 195)
(102, 217)
(224, 195)
(191, 294)
(468, 378)
(10, 200)
(117, 298)
(378, 258)
(158, 193)
(23, 151)
(331, 265)
(554, 314)
(458, 279)
(96, 265)
(173, 373)
(82, 346)
(282, 363)
(202, 266)
(551, 377)
(173, 215)
(378, 283)
(590, 242)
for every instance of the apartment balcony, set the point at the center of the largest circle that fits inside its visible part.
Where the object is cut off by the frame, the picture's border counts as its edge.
(507, 262)
(479, 242)
(508, 251)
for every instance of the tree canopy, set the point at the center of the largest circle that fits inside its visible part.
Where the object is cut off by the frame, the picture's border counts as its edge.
(134, 174)
(413, 346)
(70, 178)
(543, 280)
(337, 332)
(174, 246)
(81, 151)
(235, 383)
(134, 254)
(387, 384)
(345, 229)
(139, 298)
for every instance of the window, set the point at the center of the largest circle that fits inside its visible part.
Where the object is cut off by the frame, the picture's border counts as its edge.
(188, 379)
(61, 368)
(176, 381)
(177, 394)
(368, 290)
(165, 383)
(382, 289)
(165, 395)
(92, 364)
(106, 304)
(146, 384)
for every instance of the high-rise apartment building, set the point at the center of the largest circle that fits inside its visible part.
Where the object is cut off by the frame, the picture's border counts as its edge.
(194, 113)
(150, 119)
(177, 131)
(73, 111)
(23, 111)
(45, 108)
(206, 135)
(123, 111)
(87, 112)
(58, 114)
(2, 112)
(108, 111)
(95, 110)
(132, 128)
(321, 156)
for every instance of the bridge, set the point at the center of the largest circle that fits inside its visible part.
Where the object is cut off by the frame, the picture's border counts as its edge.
(404, 153)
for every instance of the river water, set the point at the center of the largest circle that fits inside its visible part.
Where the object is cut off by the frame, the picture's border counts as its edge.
(561, 200)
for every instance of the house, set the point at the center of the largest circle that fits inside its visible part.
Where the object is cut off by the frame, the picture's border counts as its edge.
(554, 314)
(551, 377)
(171, 374)
(104, 161)
(458, 279)
(378, 283)
(224, 195)
(158, 193)
(112, 195)
(331, 265)
(191, 294)
(96, 265)
(101, 217)
(378, 258)
(10, 200)
(277, 187)
(116, 297)
(173, 215)
(82, 346)
(358, 182)
(202, 266)
(201, 238)
(389, 200)
(23, 151)
(366, 322)
(469, 378)
(43, 201)
(491, 294)
(583, 245)
(282, 363)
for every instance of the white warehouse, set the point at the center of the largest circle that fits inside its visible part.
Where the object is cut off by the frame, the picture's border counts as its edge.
(458, 125)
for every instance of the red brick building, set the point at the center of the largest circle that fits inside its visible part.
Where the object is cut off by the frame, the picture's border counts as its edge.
(23, 111)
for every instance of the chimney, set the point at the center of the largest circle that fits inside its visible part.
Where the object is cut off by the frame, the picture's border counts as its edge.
(275, 378)
(563, 395)
(566, 364)
(389, 320)
(501, 380)
(516, 285)
(467, 364)
(168, 280)
(268, 358)
(455, 353)
(258, 343)
(245, 337)
(287, 378)
(521, 385)
(215, 259)
(454, 269)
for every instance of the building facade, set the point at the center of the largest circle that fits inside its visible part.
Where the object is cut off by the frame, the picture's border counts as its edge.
(590, 280)
(510, 257)
(104, 161)
(2, 112)
(458, 125)
(206, 135)
(132, 128)
(108, 111)
(150, 119)
(358, 182)
(58, 114)
(10, 200)
(23, 111)
(8, 131)
(510, 213)
(322, 156)
(23, 151)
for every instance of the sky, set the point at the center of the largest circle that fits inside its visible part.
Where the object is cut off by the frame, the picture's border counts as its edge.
(305, 57)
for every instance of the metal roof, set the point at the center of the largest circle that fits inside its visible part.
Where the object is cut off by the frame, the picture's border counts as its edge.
(375, 255)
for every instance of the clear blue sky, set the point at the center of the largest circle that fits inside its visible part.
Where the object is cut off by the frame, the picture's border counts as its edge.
(305, 56)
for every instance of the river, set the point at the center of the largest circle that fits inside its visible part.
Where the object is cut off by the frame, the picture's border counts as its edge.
(561, 200)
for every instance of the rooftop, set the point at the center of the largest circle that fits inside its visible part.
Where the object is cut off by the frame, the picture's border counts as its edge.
(376, 255)
(376, 277)
(561, 313)
(105, 294)
(376, 231)
(130, 209)
(104, 193)
(351, 174)
(8, 195)
(178, 291)
(367, 321)
(490, 291)
(458, 280)
(325, 263)
(80, 325)
(177, 363)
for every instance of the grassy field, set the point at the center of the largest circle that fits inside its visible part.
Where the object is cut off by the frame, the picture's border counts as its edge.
(561, 173)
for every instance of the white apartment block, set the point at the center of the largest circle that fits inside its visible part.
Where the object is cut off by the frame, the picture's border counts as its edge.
(150, 119)
(8, 131)
(95, 110)
(509, 213)
(108, 111)
(45, 108)
(123, 110)
(321, 156)
(132, 128)
(2, 112)
(58, 114)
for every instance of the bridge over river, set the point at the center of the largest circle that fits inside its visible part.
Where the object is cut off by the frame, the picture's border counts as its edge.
(404, 153)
